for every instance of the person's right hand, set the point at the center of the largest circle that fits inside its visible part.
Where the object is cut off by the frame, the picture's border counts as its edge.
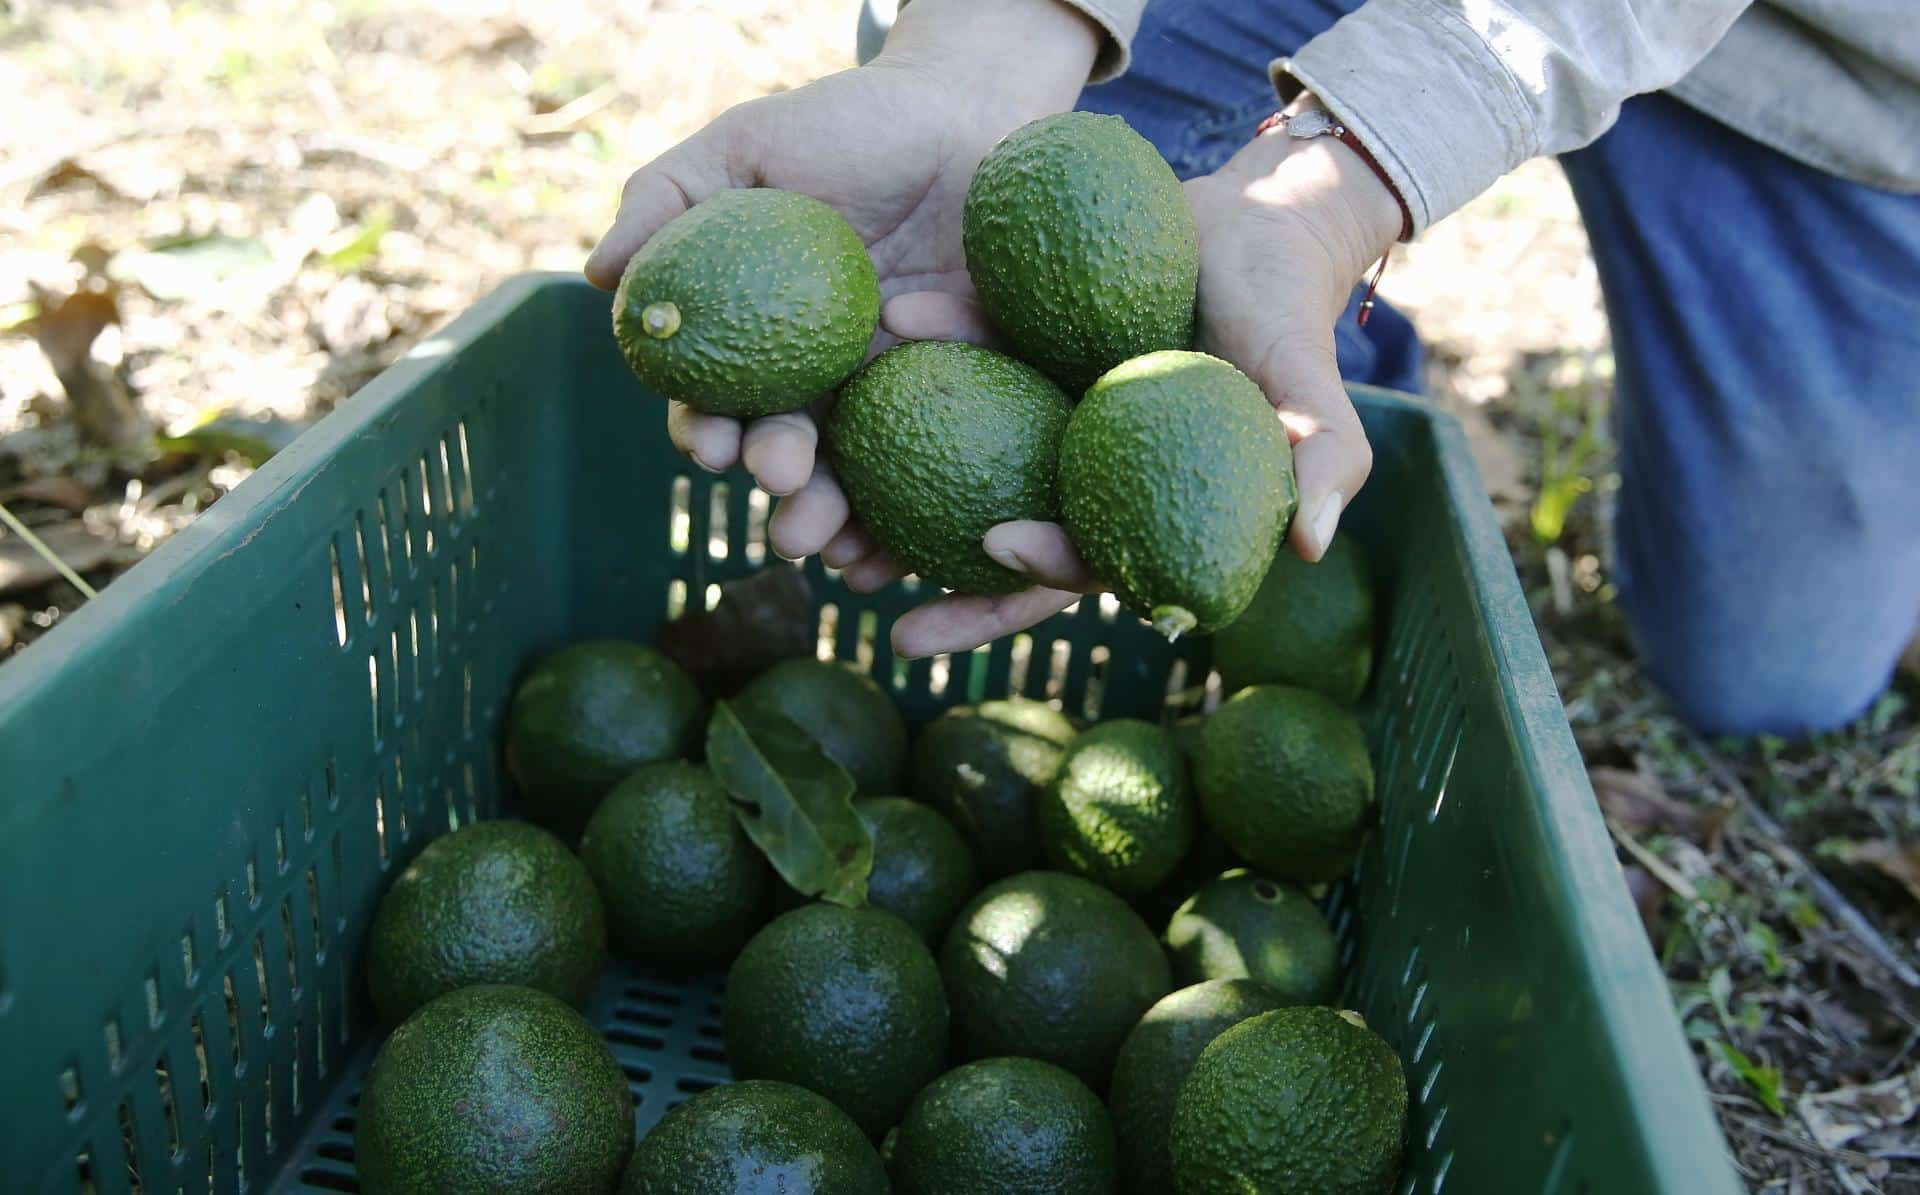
(892, 145)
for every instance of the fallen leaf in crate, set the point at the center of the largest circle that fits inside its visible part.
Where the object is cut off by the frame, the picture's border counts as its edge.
(760, 620)
(793, 802)
(23, 568)
(1896, 861)
(1844, 1114)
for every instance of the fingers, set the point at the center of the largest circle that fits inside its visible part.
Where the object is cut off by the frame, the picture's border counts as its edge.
(656, 193)
(937, 315)
(851, 544)
(778, 450)
(874, 573)
(962, 623)
(1331, 456)
(1042, 552)
(713, 441)
(808, 518)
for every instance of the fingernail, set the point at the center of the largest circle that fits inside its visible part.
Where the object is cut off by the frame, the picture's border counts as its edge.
(1328, 520)
(1006, 559)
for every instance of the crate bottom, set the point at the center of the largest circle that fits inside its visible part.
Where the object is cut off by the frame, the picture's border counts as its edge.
(664, 1030)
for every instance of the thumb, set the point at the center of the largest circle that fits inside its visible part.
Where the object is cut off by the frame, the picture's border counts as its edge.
(1331, 456)
(692, 171)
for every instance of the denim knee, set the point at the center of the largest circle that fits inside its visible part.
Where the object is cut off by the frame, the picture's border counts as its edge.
(1723, 679)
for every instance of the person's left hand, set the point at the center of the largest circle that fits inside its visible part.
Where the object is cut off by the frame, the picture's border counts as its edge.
(1286, 229)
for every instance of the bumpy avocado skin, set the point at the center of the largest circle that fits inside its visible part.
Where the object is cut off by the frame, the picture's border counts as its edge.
(1310, 625)
(934, 443)
(1285, 779)
(1081, 246)
(1119, 811)
(1299, 1101)
(1176, 485)
(753, 302)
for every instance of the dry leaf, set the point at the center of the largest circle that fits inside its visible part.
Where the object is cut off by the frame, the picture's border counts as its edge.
(1640, 804)
(66, 173)
(1897, 861)
(1649, 898)
(1839, 1116)
(65, 329)
(761, 619)
(54, 490)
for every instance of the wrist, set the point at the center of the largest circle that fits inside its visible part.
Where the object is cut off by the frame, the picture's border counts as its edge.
(1028, 58)
(1324, 181)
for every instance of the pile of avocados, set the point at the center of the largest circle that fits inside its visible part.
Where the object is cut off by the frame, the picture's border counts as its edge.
(1002, 951)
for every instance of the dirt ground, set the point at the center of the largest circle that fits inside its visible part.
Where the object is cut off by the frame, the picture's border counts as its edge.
(220, 219)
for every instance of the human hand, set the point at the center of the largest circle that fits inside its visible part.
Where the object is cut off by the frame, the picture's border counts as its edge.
(1286, 229)
(892, 146)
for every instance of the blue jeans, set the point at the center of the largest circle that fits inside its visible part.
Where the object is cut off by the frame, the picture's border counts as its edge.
(1766, 338)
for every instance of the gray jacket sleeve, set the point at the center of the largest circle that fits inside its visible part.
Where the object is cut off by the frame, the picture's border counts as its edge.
(1451, 94)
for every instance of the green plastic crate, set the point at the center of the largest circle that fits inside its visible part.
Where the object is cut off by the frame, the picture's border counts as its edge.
(208, 775)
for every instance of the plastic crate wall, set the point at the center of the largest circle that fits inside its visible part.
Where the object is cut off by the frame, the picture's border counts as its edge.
(208, 776)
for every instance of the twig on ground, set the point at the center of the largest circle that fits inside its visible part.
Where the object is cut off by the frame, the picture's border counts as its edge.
(1825, 894)
(570, 114)
(1678, 884)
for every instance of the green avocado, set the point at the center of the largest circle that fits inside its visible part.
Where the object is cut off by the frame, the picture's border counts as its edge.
(1300, 1101)
(1242, 924)
(1050, 966)
(845, 711)
(844, 1002)
(755, 1136)
(1310, 625)
(984, 766)
(590, 713)
(934, 443)
(494, 902)
(923, 870)
(1284, 777)
(750, 303)
(682, 882)
(1081, 246)
(1004, 1125)
(1154, 1061)
(1119, 811)
(493, 1088)
(1176, 485)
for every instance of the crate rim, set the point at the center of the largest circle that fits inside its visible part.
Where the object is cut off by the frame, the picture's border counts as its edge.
(1671, 1105)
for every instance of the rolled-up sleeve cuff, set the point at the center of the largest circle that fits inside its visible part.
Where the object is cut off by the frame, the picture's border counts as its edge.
(1120, 19)
(1425, 92)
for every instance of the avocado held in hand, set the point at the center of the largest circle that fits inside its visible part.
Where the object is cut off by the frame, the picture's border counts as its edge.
(751, 303)
(1176, 485)
(937, 442)
(1081, 246)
